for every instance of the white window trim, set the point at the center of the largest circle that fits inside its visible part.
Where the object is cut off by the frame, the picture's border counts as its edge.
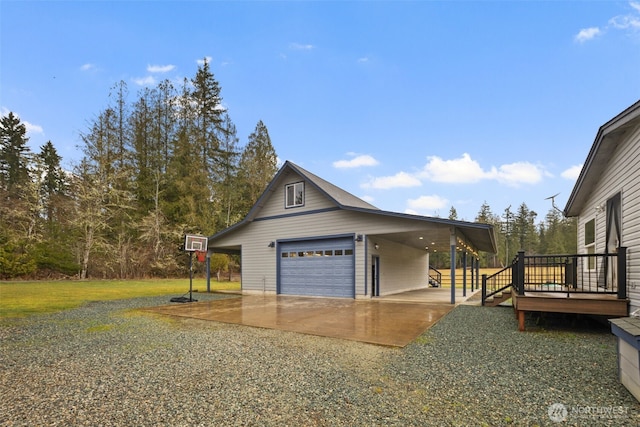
(287, 203)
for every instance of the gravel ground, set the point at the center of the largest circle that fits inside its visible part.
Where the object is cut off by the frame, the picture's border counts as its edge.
(105, 364)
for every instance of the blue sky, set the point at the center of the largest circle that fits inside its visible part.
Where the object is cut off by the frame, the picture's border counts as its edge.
(414, 106)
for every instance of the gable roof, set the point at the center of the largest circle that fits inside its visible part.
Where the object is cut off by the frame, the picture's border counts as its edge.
(481, 236)
(606, 142)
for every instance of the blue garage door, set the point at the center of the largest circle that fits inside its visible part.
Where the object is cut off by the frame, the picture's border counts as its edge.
(317, 268)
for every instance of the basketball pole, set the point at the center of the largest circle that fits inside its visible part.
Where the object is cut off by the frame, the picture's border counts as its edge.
(191, 276)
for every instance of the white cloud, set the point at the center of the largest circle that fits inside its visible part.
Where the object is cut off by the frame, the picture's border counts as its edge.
(87, 67)
(363, 59)
(462, 170)
(587, 34)
(624, 22)
(160, 68)
(629, 22)
(401, 179)
(427, 203)
(356, 162)
(465, 170)
(202, 61)
(518, 173)
(572, 173)
(30, 127)
(33, 129)
(145, 81)
(300, 46)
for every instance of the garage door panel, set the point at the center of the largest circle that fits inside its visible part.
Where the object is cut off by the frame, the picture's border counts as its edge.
(317, 267)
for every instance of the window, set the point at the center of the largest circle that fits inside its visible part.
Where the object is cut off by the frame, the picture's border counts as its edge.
(590, 243)
(294, 195)
(590, 232)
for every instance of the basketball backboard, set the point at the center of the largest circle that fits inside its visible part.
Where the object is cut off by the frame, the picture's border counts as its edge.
(193, 243)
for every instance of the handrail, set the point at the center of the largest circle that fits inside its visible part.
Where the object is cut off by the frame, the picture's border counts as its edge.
(562, 274)
(497, 282)
(435, 280)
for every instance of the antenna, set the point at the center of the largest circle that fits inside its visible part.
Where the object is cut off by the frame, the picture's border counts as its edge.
(553, 202)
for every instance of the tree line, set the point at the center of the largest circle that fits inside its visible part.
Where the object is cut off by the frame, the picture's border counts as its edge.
(167, 164)
(519, 230)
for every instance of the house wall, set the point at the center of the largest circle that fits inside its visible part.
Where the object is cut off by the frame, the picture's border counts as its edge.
(313, 200)
(622, 174)
(259, 261)
(402, 268)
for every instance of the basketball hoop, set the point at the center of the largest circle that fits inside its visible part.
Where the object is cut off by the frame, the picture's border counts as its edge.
(201, 255)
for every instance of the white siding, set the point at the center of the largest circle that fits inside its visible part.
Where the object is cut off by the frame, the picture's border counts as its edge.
(622, 174)
(401, 268)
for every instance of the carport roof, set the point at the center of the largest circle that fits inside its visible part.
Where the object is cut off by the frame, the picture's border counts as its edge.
(476, 235)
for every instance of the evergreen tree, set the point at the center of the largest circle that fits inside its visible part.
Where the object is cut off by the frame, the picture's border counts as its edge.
(258, 165)
(208, 115)
(15, 155)
(453, 213)
(525, 229)
(226, 187)
(486, 216)
(54, 186)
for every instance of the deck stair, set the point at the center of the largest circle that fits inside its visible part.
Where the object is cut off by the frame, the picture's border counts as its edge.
(498, 298)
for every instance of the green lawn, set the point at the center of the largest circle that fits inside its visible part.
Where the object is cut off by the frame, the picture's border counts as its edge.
(19, 299)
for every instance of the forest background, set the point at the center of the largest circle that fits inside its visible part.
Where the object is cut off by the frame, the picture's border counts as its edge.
(168, 164)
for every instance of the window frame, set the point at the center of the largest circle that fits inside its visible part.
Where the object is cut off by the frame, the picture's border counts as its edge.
(295, 203)
(590, 246)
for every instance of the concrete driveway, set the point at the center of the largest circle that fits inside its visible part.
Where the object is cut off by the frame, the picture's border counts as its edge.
(380, 322)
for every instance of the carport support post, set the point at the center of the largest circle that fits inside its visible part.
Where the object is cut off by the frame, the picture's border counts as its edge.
(452, 242)
(472, 272)
(208, 272)
(464, 273)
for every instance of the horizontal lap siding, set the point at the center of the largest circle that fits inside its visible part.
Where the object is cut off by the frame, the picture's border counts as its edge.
(621, 175)
(313, 200)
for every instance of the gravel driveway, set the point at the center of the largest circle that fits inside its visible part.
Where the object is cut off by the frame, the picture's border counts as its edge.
(107, 365)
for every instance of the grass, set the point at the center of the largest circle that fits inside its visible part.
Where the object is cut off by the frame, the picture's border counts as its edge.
(20, 299)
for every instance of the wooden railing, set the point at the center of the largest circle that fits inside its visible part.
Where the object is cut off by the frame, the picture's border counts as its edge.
(561, 274)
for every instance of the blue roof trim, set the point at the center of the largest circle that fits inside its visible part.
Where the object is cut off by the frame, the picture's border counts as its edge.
(289, 215)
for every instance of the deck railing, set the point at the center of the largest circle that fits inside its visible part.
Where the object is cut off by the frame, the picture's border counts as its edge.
(498, 282)
(561, 275)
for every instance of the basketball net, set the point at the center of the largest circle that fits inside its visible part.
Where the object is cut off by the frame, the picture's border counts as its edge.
(201, 255)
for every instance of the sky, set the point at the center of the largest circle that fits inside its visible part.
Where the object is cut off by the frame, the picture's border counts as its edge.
(414, 106)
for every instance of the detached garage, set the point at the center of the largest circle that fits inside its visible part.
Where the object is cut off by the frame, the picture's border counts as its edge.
(305, 236)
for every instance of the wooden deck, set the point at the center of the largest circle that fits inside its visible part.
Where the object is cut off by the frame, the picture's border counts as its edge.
(578, 303)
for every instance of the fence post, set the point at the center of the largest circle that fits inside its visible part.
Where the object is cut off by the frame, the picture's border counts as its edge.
(484, 288)
(622, 273)
(520, 273)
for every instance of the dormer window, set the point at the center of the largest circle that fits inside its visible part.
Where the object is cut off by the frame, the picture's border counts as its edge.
(294, 195)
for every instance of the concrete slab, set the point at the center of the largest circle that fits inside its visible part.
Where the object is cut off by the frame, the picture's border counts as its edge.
(377, 322)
